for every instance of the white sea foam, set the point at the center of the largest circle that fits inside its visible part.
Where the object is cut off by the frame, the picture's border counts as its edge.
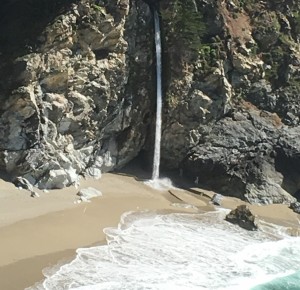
(178, 251)
(160, 183)
(185, 205)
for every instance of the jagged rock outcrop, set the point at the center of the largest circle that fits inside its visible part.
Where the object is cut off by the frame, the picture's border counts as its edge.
(78, 103)
(295, 206)
(245, 148)
(233, 103)
(77, 98)
(243, 217)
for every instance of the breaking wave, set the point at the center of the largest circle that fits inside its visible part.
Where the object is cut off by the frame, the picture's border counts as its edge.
(179, 251)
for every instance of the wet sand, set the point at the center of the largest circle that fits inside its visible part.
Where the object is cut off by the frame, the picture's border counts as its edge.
(36, 233)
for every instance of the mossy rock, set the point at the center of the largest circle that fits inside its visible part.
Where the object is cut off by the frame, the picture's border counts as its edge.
(266, 30)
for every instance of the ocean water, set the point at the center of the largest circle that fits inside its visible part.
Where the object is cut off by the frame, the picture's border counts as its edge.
(289, 282)
(182, 251)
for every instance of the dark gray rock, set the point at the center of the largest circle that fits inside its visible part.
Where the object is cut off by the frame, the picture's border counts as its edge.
(243, 217)
(80, 100)
(234, 144)
(285, 102)
(239, 156)
(295, 206)
(233, 150)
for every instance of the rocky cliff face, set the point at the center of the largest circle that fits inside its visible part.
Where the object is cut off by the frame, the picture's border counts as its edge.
(77, 102)
(78, 97)
(234, 101)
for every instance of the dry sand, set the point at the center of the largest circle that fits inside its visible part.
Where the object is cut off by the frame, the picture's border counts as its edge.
(36, 233)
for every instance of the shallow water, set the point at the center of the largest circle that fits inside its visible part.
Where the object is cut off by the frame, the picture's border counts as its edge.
(179, 251)
(289, 282)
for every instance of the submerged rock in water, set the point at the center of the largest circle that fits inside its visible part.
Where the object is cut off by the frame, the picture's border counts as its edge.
(295, 206)
(243, 217)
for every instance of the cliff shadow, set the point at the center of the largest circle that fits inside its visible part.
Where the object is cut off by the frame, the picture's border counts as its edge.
(22, 22)
(289, 167)
(140, 168)
(21, 25)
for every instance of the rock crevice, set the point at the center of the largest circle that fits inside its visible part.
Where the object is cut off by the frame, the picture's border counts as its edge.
(78, 98)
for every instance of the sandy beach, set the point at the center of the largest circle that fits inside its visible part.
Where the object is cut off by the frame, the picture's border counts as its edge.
(40, 232)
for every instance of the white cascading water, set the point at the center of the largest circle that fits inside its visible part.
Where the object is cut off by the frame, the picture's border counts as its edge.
(156, 158)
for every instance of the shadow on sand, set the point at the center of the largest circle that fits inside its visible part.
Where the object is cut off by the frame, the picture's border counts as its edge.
(140, 172)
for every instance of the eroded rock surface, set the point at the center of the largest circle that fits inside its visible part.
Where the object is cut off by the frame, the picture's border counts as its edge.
(232, 104)
(243, 217)
(79, 97)
(295, 206)
(72, 105)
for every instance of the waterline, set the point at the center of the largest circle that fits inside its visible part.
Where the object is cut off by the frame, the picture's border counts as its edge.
(178, 251)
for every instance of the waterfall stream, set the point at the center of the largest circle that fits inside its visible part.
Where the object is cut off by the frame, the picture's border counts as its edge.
(156, 158)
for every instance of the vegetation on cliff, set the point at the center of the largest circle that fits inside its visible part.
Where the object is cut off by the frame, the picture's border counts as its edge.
(184, 23)
(76, 89)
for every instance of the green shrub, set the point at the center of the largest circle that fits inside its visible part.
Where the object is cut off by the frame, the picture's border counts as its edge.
(185, 23)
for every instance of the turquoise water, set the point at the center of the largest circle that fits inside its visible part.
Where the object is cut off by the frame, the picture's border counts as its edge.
(289, 282)
(150, 251)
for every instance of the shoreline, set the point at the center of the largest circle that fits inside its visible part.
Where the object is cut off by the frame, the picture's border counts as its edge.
(37, 233)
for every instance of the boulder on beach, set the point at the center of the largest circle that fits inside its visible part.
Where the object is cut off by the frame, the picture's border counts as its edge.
(243, 217)
(85, 194)
(295, 206)
(216, 199)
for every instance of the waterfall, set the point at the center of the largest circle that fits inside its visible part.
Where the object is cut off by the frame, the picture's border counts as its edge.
(156, 158)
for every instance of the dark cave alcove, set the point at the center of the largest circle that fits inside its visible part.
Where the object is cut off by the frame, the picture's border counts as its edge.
(289, 166)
